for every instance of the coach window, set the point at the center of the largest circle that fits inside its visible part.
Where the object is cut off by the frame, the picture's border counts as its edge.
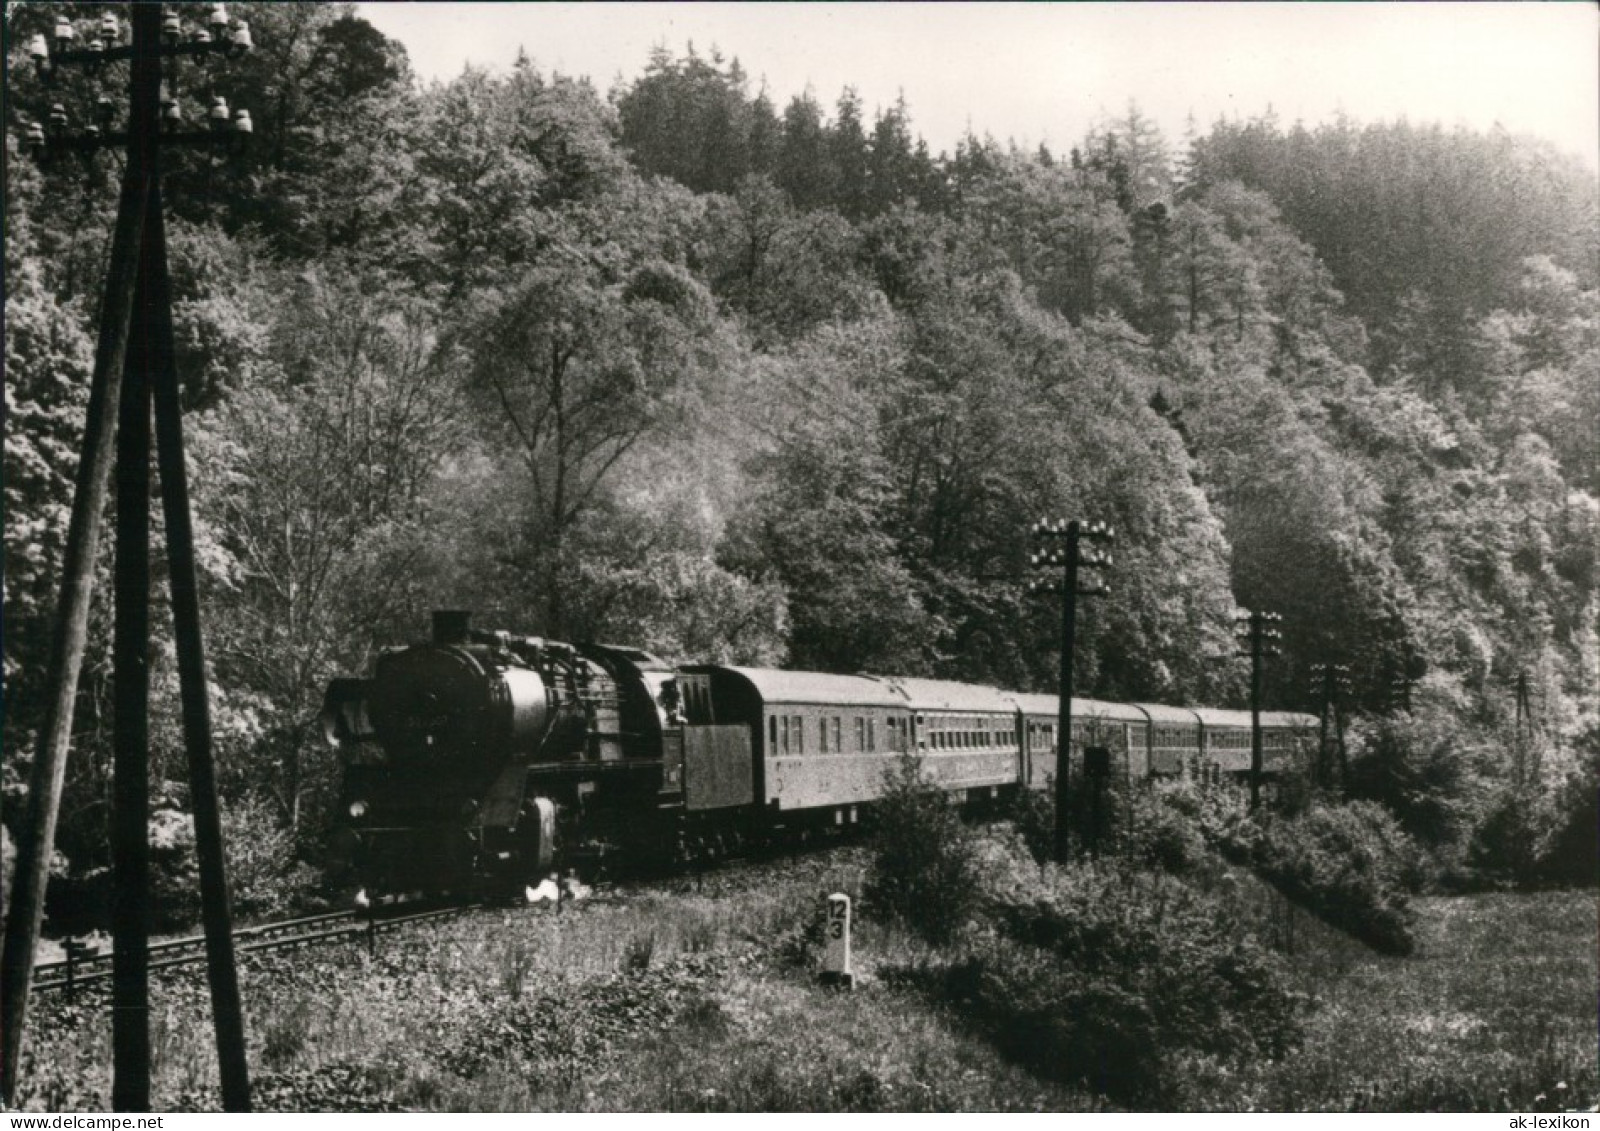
(772, 735)
(872, 734)
(838, 734)
(799, 734)
(785, 732)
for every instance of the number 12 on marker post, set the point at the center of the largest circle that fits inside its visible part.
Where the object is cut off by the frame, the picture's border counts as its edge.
(836, 956)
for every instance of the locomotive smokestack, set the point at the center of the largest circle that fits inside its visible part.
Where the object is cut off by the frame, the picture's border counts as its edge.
(451, 626)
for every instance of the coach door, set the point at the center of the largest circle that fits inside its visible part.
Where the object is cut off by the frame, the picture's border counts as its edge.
(1019, 726)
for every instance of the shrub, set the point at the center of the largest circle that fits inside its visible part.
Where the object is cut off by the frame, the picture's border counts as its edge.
(1352, 865)
(174, 870)
(1418, 767)
(924, 868)
(1219, 813)
(1573, 856)
(265, 877)
(1107, 977)
(1033, 814)
(1129, 823)
(1160, 835)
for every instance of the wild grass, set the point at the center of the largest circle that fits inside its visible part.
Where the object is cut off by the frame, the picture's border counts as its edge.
(659, 999)
(1495, 1011)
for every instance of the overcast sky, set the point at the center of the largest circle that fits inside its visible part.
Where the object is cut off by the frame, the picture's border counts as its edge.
(1045, 72)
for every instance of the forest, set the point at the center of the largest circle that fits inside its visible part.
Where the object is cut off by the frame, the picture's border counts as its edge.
(671, 364)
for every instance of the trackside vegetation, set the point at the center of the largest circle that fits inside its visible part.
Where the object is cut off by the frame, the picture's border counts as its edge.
(814, 380)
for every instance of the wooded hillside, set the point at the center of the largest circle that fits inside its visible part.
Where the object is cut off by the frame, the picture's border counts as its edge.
(673, 365)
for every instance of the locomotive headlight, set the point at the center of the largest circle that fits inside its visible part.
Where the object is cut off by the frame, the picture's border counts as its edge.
(358, 809)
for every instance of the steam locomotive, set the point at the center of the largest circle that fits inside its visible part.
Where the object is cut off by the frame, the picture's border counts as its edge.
(482, 758)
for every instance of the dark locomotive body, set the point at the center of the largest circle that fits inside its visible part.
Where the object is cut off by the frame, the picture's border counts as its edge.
(482, 755)
(484, 758)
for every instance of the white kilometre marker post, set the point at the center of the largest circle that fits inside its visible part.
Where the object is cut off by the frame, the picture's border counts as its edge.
(836, 957)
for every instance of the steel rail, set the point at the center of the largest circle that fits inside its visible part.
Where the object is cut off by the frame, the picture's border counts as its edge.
(284, 934)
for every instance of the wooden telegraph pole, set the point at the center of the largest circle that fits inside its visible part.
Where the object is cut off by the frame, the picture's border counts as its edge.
(1331, 681)
(1060, 544)
(1259, 634)
(133, 368)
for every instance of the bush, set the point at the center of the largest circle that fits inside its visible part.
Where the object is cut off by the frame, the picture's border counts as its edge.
(924, 867)
(1108, 977)
(1033, 813)
(1160, 835)
(1574, 853)
(265, 877)
(1417, 768)
(1352, 865)
(1219, 813)
(174, 870)
(1131, 824)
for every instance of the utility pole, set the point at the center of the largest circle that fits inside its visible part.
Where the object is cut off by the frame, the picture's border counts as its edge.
(1526, 773)
(1524, 701)
(133, 368)
(1060, 544)
(1330, 681)
(1258, 633)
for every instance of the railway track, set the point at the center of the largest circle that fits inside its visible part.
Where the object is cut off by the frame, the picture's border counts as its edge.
(83, 967)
